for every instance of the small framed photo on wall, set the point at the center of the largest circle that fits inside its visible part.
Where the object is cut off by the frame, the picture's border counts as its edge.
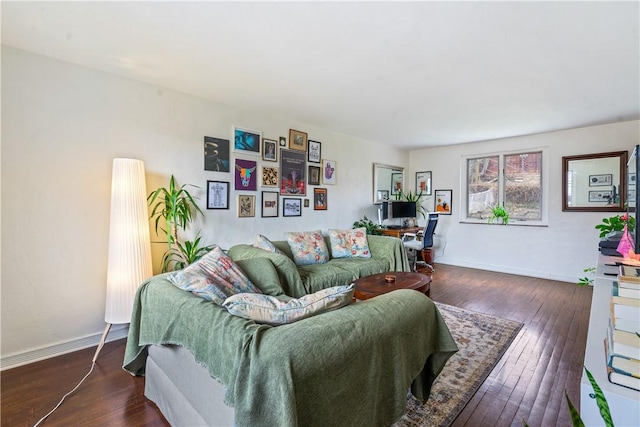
(269, 176)
(246, 177)
(297, 140)
(443, 202)
(269, 204)
(216, 154)
(291, 207)
(314, 175)
(314, 151)
(269, 150)
(423, 183)
(329, 172)
(246, 141)
(217, 195)
(246, 206)
(320, 199)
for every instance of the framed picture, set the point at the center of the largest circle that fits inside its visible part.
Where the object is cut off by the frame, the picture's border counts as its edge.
(396, 183)
(283, 141)
(269, 204)
(320, 199)
(245, 175)
(313, 154)
(269, 150)
(314, 175)
(423, 182)
(246, 206)
(329, 172)
(306, 203)
(297, 140)
(246, 140)
(601, 196)
(443, 201)
(269, 176)
(291, 207)
(600, 180)
(292, 169)
(217, 195)
(383, 195)
(216, 154)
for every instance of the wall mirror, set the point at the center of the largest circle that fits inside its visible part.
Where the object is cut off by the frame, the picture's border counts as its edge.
(594, 182)
(388, 180)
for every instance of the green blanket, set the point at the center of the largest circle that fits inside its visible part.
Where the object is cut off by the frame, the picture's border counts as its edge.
(351, 366)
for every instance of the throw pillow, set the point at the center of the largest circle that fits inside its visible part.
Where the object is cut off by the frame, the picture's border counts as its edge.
(214, 277)
(273, 311)
(349, 243)
(263, 243)
(308, 247)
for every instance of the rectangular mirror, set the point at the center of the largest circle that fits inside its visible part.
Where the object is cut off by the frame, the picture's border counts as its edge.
(387, 182)
(594, 182)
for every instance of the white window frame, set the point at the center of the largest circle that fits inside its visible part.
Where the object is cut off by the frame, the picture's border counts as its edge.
(464, 197)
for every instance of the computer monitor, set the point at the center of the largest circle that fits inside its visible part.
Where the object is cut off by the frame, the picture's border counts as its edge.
(403, 210)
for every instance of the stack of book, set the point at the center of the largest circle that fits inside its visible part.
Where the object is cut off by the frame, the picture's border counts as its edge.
(622, 344)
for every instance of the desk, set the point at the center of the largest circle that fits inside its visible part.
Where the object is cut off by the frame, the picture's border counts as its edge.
(400, 231)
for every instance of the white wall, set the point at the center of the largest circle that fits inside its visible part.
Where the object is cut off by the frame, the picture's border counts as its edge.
(62, 126)
(559, 251)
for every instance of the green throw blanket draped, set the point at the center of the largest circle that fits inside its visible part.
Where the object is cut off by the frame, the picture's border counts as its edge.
(351, 366)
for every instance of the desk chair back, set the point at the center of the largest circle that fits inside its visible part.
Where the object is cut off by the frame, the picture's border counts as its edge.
(429, 230)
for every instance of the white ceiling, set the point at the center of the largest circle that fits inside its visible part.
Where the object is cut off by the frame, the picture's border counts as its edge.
(409, 74)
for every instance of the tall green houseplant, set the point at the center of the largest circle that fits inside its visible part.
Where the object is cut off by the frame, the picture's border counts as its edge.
(178, 208)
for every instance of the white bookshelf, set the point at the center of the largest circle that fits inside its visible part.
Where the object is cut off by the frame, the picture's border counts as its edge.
(623, 402)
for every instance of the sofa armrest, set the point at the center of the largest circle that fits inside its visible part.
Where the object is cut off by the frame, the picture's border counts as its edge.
(391, 249)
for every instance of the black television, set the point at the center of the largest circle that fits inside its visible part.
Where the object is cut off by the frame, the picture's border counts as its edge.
(403, 210)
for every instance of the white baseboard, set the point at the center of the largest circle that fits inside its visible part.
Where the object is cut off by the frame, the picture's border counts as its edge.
(510, 270)
(13, 361)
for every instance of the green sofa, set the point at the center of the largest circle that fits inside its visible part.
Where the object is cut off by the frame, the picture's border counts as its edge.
(387, 254)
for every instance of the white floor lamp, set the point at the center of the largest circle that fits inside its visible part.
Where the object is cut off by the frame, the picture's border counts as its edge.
(129, 243)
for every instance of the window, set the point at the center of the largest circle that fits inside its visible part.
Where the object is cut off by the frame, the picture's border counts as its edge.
(513, 180)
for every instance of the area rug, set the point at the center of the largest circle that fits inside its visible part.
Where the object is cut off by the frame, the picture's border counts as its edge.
(482, 340)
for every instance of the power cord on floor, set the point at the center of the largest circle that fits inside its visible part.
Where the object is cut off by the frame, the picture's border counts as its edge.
(93, 364)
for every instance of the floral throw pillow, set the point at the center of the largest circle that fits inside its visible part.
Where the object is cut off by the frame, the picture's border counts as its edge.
(214, 277)
(349, 243)
(273, 311)
(263, 243)
(308, 247)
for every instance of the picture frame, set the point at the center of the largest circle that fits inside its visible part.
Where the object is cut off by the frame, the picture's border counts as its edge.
(217, 195)
(269, 150)
(601, 196)
(269, 176)
(383, 195)
(246, 206)
(216, 154)
(601, 180)
(423, 183)
(314, 175)
(329, 172)
(291, 207)
(396, 183)
(283, 141)
(306, 203)
(292, 173)
(269, 204)
(297, 140)
(320, 199)
(246, 141)
(442, 202)
(246, 178)
(314, 152)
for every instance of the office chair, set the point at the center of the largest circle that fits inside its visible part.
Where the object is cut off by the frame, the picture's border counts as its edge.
(413, 245)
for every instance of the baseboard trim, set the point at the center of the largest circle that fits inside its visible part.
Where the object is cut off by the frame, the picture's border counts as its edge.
(42, 353)
(510, 270)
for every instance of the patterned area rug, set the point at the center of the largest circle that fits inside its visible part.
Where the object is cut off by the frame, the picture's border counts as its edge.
(482, 340)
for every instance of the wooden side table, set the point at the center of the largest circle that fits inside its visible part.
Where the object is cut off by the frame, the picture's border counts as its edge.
(372, 286)
(398, 232)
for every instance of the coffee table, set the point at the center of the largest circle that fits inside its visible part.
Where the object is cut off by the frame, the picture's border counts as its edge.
(371, 286)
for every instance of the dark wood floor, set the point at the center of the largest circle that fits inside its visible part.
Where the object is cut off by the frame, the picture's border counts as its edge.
(545, 359)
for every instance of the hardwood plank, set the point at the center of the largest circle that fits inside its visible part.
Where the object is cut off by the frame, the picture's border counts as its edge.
(528, 383)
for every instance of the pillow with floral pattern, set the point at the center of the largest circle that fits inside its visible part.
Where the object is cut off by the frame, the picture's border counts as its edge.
(308, 247)
(349, 243)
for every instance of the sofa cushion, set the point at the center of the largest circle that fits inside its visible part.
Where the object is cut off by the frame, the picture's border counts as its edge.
(214, 277)
(264, 275)
(349, 243)
(262, 242)
(307, 247)
(360, 267)
(273, 311)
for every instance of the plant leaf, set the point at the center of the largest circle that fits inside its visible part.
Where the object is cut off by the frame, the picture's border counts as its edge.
(601, 400)
(576, 421)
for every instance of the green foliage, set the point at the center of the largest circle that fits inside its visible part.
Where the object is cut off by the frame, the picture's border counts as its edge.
(588, 279)
(576, 421)
(616, 223)
(178, 208)
(498, 212)
(372, 228)
(416, 198)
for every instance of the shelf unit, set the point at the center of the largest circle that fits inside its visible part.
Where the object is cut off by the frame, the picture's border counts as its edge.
(623, 402)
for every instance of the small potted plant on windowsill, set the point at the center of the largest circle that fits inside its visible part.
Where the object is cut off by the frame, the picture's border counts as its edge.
(499, 215)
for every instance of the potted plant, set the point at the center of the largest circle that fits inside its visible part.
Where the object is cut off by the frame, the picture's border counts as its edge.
(416, 198)
(616, 223)
(177, 207)
(372, 227)
(499, 213)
